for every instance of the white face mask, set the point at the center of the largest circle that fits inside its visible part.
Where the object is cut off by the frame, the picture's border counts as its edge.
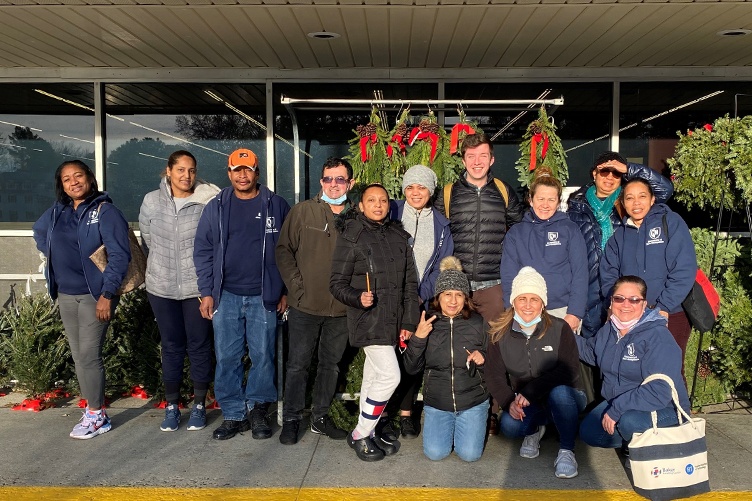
(624, 325)
(527, 324)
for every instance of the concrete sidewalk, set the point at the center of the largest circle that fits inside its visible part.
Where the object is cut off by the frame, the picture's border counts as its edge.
(36, 451)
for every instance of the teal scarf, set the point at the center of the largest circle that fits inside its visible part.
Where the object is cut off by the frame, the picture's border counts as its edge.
(602, 210)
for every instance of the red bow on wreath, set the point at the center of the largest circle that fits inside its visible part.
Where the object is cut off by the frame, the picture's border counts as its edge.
(537, 138)
(397, 138)
(364, 145)
(455, 138)
(416, 134)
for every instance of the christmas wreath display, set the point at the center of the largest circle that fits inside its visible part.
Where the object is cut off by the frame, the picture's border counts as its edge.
(541, 147)
(712, 165)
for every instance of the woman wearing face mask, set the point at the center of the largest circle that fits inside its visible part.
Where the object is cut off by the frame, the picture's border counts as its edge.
(431, 242)
(547, 240)
(373, 274)
(654, 244)
(168, 220)
(450, 343)
(634, 344)
(533, 372)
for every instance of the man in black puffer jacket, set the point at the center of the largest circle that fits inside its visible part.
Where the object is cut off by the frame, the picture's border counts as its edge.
(481, 209)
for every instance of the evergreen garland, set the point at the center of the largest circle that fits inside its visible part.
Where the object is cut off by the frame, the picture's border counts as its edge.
(714, 163)
(540, 137)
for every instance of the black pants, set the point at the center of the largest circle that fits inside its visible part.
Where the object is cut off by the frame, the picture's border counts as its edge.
(304, 330)
(183, 329)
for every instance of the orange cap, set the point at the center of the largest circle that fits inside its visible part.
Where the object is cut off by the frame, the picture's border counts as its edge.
(242, 158)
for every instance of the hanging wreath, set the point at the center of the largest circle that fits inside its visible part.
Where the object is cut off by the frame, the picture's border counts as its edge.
(428, 145)
(459, 132)
(712, 165)
(368, 155)
(541, 147)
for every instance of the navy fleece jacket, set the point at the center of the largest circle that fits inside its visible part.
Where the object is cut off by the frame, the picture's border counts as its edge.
(556, 249)
(649, 348)
(667, 263)
(95, 227)
(211, 242)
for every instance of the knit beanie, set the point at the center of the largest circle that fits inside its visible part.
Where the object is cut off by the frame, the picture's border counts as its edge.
(529, 281)
(451, 277)
(422, 175)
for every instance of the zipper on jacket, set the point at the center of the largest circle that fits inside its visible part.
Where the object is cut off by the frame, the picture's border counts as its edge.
(477, 236)
(529, 357)
(451, 358)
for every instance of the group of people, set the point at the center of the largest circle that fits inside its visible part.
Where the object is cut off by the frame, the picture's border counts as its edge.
(499, 310)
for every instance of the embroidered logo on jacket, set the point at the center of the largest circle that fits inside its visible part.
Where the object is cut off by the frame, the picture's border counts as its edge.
(548, 347)
(270, 227)
(655, 236)
(630, 355)
(553, 238)
(93, 217)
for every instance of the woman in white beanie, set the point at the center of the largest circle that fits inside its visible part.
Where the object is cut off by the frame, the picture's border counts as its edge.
(533, 372)
(431, 242)
(450, 343)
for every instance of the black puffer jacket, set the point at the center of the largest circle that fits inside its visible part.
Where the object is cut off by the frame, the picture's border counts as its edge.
(581, 213)
(382, 251)
(479, 219)
(448, 385)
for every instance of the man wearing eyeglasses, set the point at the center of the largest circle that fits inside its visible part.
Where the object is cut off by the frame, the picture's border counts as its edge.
(304, 256)
(241, 293)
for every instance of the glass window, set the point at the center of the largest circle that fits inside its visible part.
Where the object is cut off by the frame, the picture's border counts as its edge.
(40, 127)
(147, 122)
(583, 122)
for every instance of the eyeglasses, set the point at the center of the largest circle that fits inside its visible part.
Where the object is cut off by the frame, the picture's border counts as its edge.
(632, 300)
(338, 179)
(605, 171)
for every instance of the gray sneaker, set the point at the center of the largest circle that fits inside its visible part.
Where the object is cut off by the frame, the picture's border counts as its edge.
(566, 464)
(197, 421)
(171, 419)
(531, 444)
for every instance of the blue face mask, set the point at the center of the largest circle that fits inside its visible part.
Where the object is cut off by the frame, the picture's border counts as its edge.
(333, 201)
(519, 320)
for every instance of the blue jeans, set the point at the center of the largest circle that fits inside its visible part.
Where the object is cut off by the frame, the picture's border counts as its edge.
(465, 429)
(562, 406)
(593, 434)
(242, 320)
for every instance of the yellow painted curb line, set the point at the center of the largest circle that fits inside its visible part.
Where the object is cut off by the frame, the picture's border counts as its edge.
(329, 494)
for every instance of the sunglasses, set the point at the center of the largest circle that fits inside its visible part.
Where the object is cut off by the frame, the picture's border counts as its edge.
(338, 179)
(632, 300)
(608, 170)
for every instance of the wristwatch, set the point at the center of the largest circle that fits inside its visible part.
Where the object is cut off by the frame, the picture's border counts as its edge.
(107, 295)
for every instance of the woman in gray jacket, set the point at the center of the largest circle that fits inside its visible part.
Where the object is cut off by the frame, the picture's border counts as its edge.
(168, 220)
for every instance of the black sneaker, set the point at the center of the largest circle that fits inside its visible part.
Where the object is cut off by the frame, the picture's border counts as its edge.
(407, 425)
(365, 449)
(388, 446)
(385, 428)
(325, 426)
(229, 429)
(289, 434)
(259, 422)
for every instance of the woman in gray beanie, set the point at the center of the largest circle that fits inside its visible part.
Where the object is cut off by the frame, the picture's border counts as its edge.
(431, 242)
(450, 343)
(533, 371)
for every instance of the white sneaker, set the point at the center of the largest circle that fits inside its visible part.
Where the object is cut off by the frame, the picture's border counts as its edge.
(566, 464)
(91, 425)
(531, 444)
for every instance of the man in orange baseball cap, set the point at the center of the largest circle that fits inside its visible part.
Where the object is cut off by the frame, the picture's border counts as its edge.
(242, 292)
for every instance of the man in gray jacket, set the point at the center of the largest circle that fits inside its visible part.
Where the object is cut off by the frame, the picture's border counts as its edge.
(304, 258)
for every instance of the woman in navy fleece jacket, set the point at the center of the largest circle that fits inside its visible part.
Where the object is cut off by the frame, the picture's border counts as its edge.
(547, 240)
(654, 244)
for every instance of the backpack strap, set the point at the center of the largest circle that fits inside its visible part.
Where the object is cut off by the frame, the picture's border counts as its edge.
(502, 190)
(447, 196)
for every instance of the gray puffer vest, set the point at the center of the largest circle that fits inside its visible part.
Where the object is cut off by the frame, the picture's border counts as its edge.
(167, 236)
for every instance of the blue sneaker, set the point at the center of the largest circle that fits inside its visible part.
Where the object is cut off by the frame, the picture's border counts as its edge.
(197, 420)
(91, 424)
(171, 419)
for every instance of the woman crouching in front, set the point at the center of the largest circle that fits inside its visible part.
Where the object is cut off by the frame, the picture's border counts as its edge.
(451, 345)
(533, 370)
